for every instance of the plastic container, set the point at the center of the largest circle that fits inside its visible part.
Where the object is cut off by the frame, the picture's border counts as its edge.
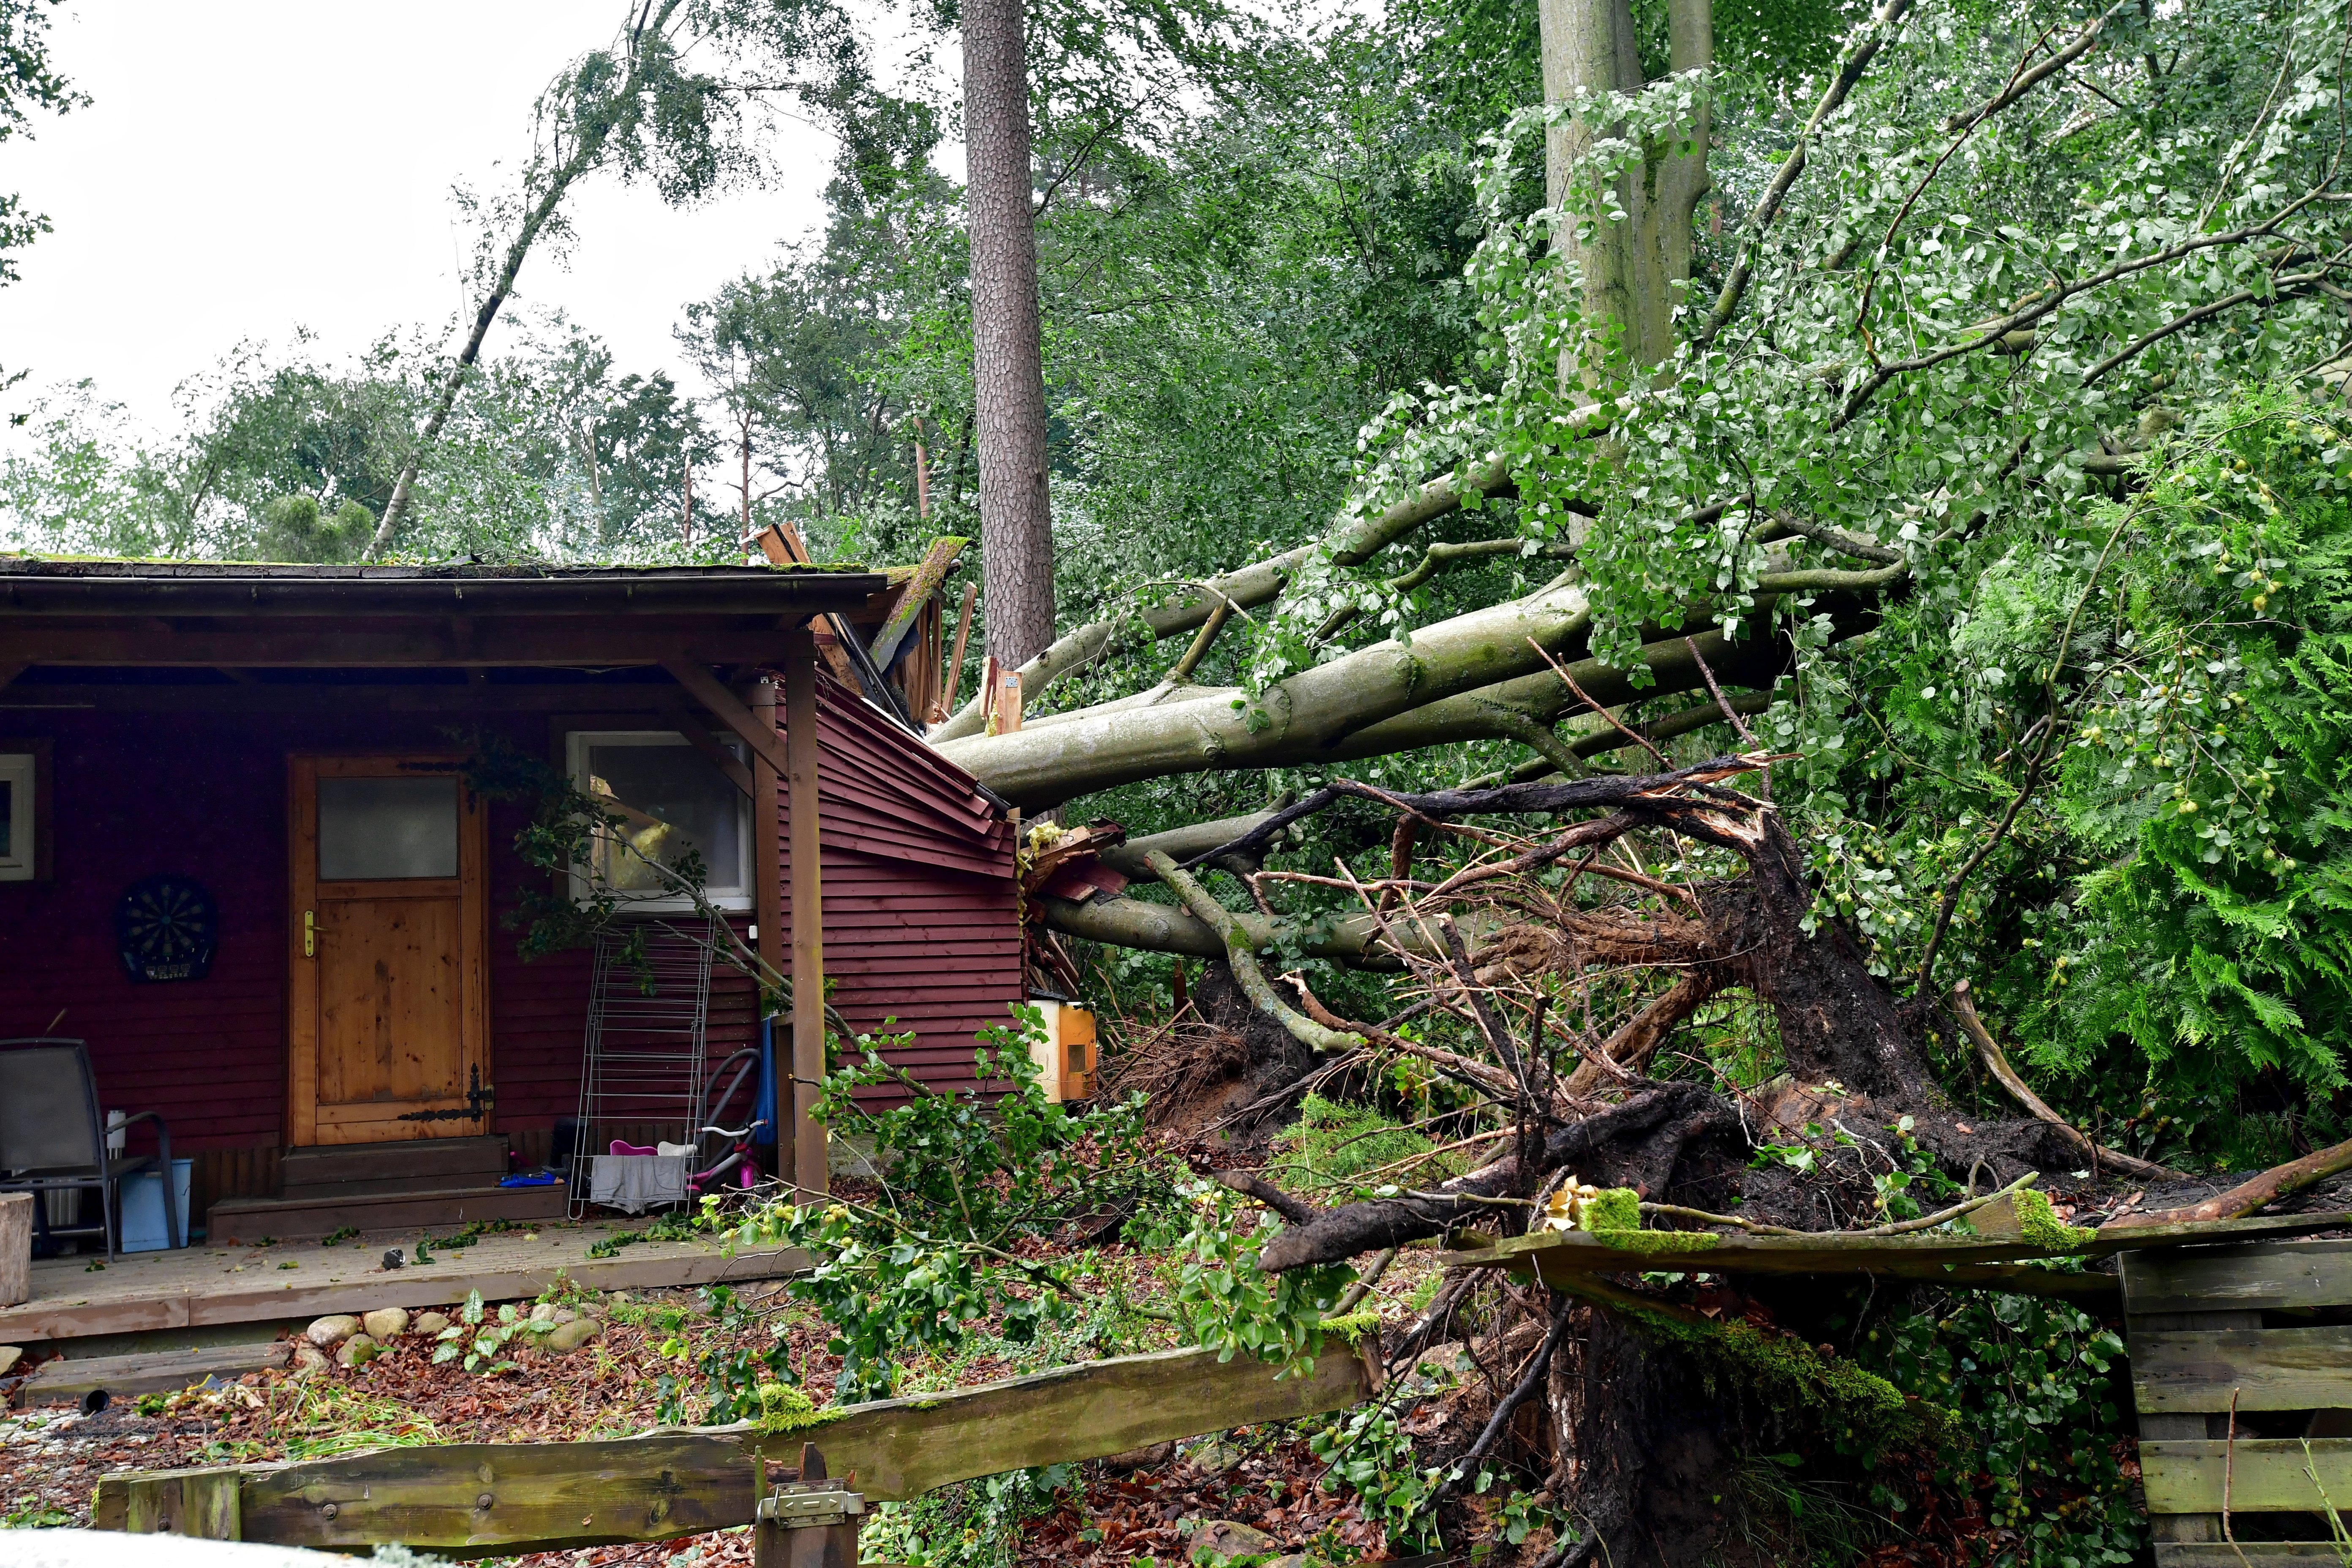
(142, 1207)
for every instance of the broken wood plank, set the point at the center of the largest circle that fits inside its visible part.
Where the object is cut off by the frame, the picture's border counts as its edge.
(1917, 1256)
(2185, 1476)
(147, 1372)
(471, 1499)
(928, 575)
(2261, 1369)
(202, 1504)
(2265, 1554)
(2253, 1278)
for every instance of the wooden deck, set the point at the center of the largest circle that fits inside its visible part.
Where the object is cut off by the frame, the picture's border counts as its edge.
(200, 1285)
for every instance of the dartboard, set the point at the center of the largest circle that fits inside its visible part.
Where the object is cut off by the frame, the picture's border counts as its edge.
(167, 928)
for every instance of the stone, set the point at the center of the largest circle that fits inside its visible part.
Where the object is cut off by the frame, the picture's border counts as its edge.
(385, 1323)
(430, 1323)
(357, 1351)
(330, 1331)
(544, 1313)
(564, 1315)
(569, 1337)
(1214, 1455)
(1298, 1560)
(308, 1359)
(1223, 1540)
(9, 1357)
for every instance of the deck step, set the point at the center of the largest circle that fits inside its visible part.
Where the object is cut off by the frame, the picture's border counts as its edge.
(250, 1219)
(150, 1372)
(416, 1164)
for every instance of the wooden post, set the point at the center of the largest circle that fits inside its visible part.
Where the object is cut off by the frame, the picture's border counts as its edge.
(768, 889)
(808, 912)
(17, 1248)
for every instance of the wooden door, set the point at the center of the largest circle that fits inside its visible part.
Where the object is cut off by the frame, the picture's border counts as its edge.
(388, 1036)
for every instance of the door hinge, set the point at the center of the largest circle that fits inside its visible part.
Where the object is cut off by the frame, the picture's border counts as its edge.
(310, 933)
(479, 1098)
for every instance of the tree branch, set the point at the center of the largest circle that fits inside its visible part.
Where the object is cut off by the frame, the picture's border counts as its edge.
(1964, 1008)
(1241, 954)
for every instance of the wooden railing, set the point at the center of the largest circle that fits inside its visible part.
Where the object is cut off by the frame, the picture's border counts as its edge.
(473, 1498)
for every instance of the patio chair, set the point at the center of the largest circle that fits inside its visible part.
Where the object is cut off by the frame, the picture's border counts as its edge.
(52, 1138)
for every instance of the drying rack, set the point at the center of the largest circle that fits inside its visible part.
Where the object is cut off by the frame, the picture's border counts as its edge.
(646, 1055)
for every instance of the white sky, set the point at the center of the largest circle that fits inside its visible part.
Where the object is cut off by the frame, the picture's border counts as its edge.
(252, 166)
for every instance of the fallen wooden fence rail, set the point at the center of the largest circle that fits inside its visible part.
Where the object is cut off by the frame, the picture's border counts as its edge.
(1986, 1262)
(472, 1498)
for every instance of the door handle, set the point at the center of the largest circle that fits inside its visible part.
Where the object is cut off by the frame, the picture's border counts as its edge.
(310, 933)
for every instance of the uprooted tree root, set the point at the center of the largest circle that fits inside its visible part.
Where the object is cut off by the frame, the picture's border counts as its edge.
(1643, 1402)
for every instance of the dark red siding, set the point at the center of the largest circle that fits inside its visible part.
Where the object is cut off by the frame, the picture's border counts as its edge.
(919, 910)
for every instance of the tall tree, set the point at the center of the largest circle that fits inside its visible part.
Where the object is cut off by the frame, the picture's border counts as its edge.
(1016, 524)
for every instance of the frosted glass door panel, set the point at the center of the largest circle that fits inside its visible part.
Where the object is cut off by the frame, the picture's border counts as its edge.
(374, 830)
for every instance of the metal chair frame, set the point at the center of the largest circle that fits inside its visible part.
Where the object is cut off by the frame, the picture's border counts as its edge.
(106, 1174)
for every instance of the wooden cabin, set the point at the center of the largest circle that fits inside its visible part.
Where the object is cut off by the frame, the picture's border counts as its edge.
(238, 856)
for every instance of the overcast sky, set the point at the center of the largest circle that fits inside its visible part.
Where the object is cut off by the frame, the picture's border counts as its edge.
(252, 166)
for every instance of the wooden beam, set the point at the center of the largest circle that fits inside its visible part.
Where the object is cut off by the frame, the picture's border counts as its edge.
(2242, 1368)
(729, 709)
(701, 740)
(2185, 1475)
(477, 1500)
(768, 902)
(1556, 1255)
(377, 642)
(809, 1169)
(336, 697)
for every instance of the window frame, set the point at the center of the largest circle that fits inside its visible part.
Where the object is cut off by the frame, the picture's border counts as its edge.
(741, 899)
(26, 761)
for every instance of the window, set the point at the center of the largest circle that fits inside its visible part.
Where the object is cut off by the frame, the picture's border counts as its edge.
(676, 802)
(385, 829)
(23, 778)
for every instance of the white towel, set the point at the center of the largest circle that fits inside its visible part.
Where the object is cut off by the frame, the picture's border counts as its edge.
(636, 1183)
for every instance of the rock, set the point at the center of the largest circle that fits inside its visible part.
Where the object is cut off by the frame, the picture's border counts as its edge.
(1214, 1455)
(564, 1315)
(309, 1358)
(357, 1351)
(430, 1323)
(385, 1323)
(9, 1357)
(1222, 1540)
(1297, 1560)
(329, 1332)
(570, 1337)
(1144, 1459)
(544, 1313)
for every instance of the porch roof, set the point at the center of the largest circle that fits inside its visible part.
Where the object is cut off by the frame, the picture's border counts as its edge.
(79, 611)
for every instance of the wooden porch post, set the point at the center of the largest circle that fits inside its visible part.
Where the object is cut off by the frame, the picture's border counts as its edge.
(808, 912)
(768, 895)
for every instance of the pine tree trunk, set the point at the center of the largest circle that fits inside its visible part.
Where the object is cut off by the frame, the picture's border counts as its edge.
(1016, 536)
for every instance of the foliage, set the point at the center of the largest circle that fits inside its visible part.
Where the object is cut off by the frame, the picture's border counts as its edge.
(730, 1378)
(2033, 1384)
(482, 1340)
(1334, 1141)
(972, 1524)
(29, 83)
(964, 1180)
(1228, 1305)
(1368, 1451)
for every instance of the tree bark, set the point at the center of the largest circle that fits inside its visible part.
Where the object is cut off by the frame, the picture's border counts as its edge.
(1632, 266)
(1016, 531)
